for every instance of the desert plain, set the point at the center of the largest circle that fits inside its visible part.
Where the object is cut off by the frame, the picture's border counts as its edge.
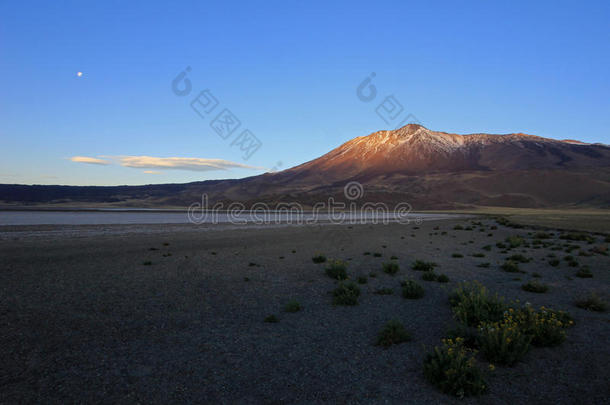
(176, 313)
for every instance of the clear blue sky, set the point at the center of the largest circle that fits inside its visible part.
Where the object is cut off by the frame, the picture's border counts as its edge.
(289, 72)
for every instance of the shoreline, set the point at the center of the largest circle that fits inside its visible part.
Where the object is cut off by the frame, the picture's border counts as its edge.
(91, 230)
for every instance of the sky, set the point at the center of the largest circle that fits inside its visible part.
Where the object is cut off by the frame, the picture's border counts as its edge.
(173, 92)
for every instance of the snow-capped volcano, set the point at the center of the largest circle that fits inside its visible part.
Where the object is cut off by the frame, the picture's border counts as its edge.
(428, 169)
(414, 149)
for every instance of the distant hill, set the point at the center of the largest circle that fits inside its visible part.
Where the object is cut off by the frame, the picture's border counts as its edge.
(425, 168)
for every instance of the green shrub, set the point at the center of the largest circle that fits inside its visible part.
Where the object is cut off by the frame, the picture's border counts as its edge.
(458, 228)
(486, 264)
(577, 236)
(469, 335)
(318, 258)
(384, 291)
(441, 278)
(394, 258)
(393, 333)
(478, 255)
(500, 245)
(452, 369)
(541, 235)
(457, 255)
(376, 254)
(271, 319)
(504, 341)
(535, 287)
(292, 306)
(367, 253)
(147, 263)
(428, 276)
(546, 327)
(412, 290)
(346, 294)
(337, 269)
(362, 280)
(472, 304)
(420, 265)
(514, 241)
(511, 267)
(390, 268)
(554, 262)
(519, 259)
(487, 247)
(592, 303)
(584, 272)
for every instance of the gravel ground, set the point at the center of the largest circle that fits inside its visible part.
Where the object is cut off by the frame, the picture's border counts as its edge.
(82, 319)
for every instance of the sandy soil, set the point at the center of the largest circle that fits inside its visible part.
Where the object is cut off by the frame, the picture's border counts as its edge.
(82, 319)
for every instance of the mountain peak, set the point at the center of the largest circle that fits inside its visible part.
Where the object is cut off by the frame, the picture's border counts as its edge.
(410, 128)
(413, 149)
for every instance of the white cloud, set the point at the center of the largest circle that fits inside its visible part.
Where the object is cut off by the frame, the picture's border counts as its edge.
(179, 163)
(175, 163)
(90, 160)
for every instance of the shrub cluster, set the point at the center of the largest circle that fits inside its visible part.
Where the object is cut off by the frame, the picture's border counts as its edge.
(421, 265)
(519, 259)
(592, 303)
(473, 304)
(319, 258)
(577, 236)
(505, 333)
(393, 333)
(346, 294)
(452, 369)
(504, 342)
(514, 241)
(511, 267)
(469, 335)
(535, 287)
(584, 272)
(411, 290)
(546, 327)
(390, 268)
(337, 269)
